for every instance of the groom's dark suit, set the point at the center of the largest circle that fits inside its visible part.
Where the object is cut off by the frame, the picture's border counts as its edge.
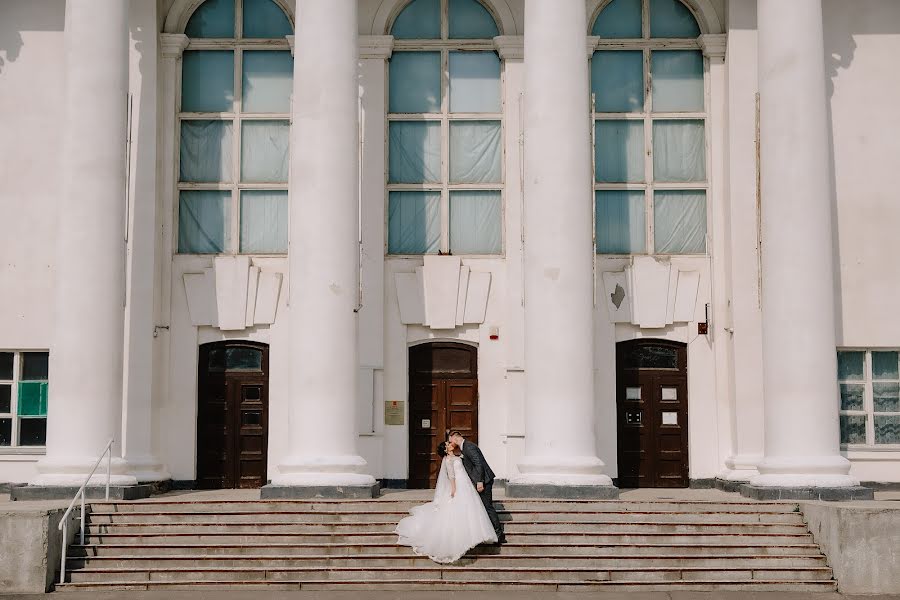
(480, 472)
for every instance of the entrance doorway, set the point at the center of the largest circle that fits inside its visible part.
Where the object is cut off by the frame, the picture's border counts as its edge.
(652, 411)
(233, 415)
(443, 397)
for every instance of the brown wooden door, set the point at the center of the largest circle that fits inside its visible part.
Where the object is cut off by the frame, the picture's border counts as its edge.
(443, 397)
(652, 411)
(232, 416)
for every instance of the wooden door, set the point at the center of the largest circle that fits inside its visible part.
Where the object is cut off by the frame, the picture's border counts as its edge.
(232, 416)
(652, 414)
(443, 397)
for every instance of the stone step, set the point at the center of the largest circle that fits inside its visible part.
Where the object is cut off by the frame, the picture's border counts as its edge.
(568, 549)
(438, 573)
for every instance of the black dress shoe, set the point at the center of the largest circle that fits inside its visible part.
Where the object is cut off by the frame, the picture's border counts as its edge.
(501, 539)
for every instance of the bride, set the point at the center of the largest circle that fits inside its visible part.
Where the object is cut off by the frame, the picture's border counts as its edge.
(455, 521)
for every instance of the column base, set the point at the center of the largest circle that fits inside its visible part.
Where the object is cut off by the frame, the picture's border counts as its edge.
(562, 492)
(831, 494)
(72, 472)
(92, 492)
(324, 492)
(148, 470)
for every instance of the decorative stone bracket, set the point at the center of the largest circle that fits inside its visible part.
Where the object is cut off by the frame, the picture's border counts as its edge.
(442, 294)
(651, 294)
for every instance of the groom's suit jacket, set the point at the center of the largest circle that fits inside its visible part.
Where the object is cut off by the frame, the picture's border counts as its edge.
(476, 466)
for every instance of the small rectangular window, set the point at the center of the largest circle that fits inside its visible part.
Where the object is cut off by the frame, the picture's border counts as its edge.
(869, 384)
(23, 398)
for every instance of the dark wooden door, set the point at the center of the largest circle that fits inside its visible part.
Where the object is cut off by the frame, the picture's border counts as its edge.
(233, 415)
(652, 414)
(443, 397)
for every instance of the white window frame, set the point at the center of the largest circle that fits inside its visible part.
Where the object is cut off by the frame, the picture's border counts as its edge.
(13, 413)
(868, 410)
(445, 46)
(647, 45)
(236, 116)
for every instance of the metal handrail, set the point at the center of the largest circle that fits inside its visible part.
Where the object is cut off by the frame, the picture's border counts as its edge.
(64, 523)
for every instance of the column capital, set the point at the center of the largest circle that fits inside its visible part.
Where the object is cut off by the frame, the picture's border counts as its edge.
(290, 40)
(592, 41)
(714, 46)
(510, 47)
(172, 45)
(376, 46)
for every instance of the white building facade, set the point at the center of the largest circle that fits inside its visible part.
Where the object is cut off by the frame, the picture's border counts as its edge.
(641, 242)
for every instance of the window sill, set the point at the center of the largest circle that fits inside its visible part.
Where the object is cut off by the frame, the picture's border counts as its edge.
(7, 453)
(882, 452)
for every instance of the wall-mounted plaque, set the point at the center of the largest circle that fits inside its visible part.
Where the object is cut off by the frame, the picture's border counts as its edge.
(394, 412)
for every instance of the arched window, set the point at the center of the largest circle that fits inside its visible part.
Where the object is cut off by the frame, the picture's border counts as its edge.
(234, 122)
(650, 122)
(445, 168)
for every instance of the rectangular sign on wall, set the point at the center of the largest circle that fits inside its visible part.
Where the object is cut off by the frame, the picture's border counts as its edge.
(394, 412)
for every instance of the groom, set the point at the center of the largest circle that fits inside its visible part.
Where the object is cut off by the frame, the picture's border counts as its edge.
(482, 478)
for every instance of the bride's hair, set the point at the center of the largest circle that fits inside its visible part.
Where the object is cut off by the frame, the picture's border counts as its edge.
(442, 449)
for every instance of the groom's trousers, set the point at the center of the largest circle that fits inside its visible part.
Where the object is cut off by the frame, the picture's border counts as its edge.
(487, 498)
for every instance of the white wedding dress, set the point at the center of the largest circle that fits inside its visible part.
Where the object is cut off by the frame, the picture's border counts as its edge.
(447, 527)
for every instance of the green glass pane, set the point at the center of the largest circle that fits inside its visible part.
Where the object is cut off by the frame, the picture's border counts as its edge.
(852, 396)
(265, 19)
(620, 19)
(32, 399)
(853, 429)
(214, 19)
(421, 19)
(851, 366)
(672, 19)
(886, 397)
(884, 365)
(887, 429)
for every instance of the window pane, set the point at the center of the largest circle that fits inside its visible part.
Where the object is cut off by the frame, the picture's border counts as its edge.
(619, 151)
(414, 222)
(679, 221)
(264, 151)
(851, 366)
(474, 82)
(415, 152)
(620, 19)
(884, 365)
(677, 81)
(853, 429)
(32, 399)
(267, 80)
(33, 432)
(672, 19)
(207, 81)
(852, 396)
(214, 19)
(264, 19)
(420, 20)
(204, 222)
(6, 365)
(651, 357)
(35, 366)
(415, 85)
(475, 152)
(621, 222)
(470, 20)
(206, 151)
(243, 359)
(887, 429)
(617, 81)
(5, 432)
(679, 151)
(264, 222)
(887, 397)
(5, 398)
(475, 222)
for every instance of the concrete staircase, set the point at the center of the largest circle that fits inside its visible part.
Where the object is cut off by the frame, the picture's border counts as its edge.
(349, 545)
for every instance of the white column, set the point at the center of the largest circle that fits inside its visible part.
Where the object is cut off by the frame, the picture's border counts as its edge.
(324, 250)
(560, 445)
(799, 360)
(86, 353)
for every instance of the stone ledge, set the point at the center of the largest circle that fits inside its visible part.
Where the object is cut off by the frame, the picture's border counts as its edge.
(93, 492)
(562, 492)
(807, 493)
(729, 486)
(328, 492)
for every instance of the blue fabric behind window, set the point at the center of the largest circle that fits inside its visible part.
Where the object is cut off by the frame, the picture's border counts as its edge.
(677, 81)
(265, 19)
(415, 82)
(617, 80)
(264, 151)
(213, 19)
(414, 222)
(415, 152)
(206, 151)
(679, 151)
(679, 221)
(619, 151)
(204, 221)
(474, 82)
(620, 19)
(475, 222)
(267, 81)
(621, 222)
(264, 221)
(420, 20)
(470, 20)
(672, 19)
(207, 81)
(475, 152)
